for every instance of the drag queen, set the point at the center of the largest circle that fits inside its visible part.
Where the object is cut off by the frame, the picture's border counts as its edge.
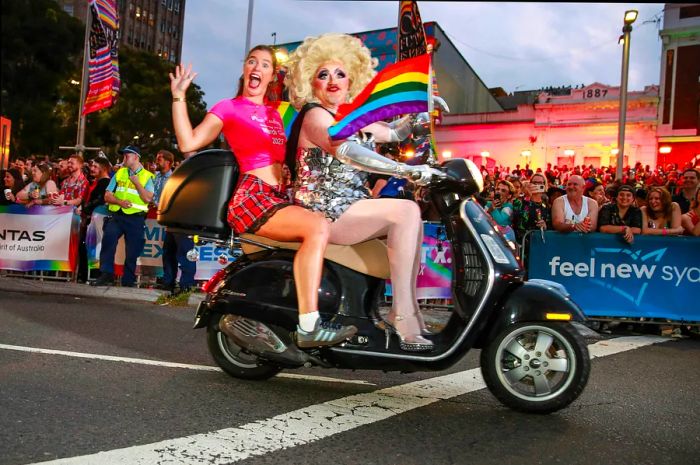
(323, 73)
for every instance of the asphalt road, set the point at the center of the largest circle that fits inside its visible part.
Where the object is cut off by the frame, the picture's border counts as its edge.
(73, 401)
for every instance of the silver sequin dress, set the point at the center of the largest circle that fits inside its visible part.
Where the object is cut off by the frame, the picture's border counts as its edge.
(327, 185)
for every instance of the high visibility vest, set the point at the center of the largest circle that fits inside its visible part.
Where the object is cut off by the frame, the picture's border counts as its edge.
(127, 191)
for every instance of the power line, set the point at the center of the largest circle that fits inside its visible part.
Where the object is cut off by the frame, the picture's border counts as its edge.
(609, 41)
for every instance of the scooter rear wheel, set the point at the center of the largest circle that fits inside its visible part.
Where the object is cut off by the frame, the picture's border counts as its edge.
(536, 367)
(233, 359)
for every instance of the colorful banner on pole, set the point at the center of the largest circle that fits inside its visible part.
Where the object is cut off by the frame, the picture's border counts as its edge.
(655, 277)
(103, 64)
(411, 34)
(39, 238)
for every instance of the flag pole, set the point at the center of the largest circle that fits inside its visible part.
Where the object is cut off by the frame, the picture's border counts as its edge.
(80, 136)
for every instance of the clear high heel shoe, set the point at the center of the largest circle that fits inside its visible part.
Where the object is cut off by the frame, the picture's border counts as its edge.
(416, 343)
(424, 331)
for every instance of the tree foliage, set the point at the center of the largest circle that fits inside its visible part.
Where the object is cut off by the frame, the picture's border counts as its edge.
(41, 45)
(143, 113)
(42, 54)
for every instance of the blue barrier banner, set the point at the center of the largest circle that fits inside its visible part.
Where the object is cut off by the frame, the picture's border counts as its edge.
(655, 277)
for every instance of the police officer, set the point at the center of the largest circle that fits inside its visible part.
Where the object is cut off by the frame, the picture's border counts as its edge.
(127, 197)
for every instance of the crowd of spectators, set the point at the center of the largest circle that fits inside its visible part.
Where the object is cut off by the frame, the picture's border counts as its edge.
(73, 182)
(662, 201)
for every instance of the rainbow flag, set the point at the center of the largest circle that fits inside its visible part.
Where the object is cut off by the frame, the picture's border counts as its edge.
(396, 90)
(288, 115)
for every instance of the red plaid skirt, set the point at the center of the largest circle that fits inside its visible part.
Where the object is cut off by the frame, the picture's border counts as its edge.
(253, 203)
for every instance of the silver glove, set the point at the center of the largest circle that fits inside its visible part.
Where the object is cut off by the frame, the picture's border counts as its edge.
(401, 128)
(422, 174)
(362, 158)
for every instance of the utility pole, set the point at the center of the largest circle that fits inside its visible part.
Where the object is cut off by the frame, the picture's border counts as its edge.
(80, 137)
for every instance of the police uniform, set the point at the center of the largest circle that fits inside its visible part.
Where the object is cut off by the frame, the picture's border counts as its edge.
(127, 222)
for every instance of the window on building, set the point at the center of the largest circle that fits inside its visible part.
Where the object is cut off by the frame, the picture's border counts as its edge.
(593, 160)
(170, 5)
(163, 2)
(689, 11)
(668, 87)
(68, 8)
(138, 13)
(162, 25)
(151, 20)
(177, 6)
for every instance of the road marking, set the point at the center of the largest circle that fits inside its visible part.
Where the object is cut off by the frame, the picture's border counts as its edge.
(143, 361)
(315, 422)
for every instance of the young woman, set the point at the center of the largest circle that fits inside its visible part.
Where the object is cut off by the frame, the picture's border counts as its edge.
(12, 183)
(325, 72)
(621, 217)
(255, 132)
(501, 208)
(534, 213)
(40, 190)
(691, 220)
(661, 216)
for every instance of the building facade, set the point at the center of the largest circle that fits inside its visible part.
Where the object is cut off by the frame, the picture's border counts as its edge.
(679, 108)
(575, 129)
(154, 26)
(458, 83)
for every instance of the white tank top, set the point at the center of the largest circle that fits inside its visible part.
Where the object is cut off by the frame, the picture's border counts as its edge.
(572, 218)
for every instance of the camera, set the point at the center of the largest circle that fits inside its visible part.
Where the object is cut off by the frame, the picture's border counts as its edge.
(497, 196)
(537, 187)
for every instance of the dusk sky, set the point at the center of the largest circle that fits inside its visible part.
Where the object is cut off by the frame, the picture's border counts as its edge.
(517, 46)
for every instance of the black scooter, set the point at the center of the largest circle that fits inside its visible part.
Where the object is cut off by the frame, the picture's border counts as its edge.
(532, 358)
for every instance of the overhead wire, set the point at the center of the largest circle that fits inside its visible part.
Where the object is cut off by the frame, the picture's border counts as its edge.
(652, 20)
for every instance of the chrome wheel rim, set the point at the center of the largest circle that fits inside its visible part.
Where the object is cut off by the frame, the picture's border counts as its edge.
(535, 363)
(234, 353)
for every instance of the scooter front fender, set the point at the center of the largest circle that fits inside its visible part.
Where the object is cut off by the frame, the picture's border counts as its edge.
(534, 300)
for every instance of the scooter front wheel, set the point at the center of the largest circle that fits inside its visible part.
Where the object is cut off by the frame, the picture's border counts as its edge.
(233, 359)
(536, 367)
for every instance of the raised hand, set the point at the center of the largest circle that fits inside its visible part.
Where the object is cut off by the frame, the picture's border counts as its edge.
(181, 80)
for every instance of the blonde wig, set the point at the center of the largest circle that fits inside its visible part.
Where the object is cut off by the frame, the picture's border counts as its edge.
(314, 51)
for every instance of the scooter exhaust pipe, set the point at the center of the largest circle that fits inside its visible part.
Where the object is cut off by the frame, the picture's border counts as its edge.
(261, 340)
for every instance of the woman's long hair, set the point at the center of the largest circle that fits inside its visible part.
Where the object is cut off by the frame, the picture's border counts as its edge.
(19, 182)
(45, 169)
(666, 204)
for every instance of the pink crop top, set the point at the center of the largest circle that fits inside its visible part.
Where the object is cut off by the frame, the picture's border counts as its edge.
(254, 132)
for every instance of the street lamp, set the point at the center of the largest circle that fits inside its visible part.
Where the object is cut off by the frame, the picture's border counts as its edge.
(630, 17)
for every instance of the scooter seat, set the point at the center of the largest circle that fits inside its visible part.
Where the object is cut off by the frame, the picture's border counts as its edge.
(369, 257)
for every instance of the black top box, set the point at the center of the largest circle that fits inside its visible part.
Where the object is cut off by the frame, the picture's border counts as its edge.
(195, 198)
